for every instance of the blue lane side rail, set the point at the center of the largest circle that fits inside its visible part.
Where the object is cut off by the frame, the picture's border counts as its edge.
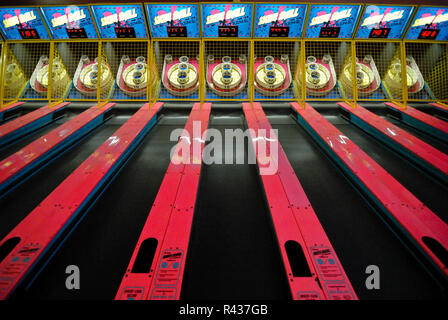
(411, 148)
(421, 121)
(20, 166)
(20, 127)
(10, 108)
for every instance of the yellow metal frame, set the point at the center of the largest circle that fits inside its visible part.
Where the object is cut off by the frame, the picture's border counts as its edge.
(5, 47)
(442, 104)
(251, 76)
(2, 70)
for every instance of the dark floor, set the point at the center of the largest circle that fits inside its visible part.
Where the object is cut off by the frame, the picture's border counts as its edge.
(233, 252)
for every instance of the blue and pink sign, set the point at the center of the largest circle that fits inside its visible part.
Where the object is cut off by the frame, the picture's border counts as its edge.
(395, 19)
(59, 19)
(238, 17)
(429, 23)
(162, 16)
(22, 23)
(127, 17)
(341, 17)
(268, 16)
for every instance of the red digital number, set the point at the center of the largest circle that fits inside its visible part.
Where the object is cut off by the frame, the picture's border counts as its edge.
(428, 34)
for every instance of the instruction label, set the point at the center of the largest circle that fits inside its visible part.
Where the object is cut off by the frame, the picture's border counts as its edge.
(339, 291)
(163, 294)
(308, 295)
(16, 265)
(327, 265)
(169, 268)
(132, 293)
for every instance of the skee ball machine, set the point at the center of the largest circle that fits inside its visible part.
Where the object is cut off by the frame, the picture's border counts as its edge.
(328, 52)
(124, 52)
(122, 29)
(32, 68)
(426, 55)
(377, 67)
(226, 30)
(76, 45)
(176, 51)
(277, 51)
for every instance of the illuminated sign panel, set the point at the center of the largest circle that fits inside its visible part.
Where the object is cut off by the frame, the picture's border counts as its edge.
(341, 17)
(429, 23)
(114, 21)
(22, 23)
(217, 18)
(378, 19)
(171, 20)
(69, 22)
(279, 20)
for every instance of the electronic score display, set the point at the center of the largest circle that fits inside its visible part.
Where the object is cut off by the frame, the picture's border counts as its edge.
(76, 33)
(379, 33)
(278, 32)
(180, 31)
(428, 34)
(329, 32)
(228, 31)
(27, 34)
(125, 32)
